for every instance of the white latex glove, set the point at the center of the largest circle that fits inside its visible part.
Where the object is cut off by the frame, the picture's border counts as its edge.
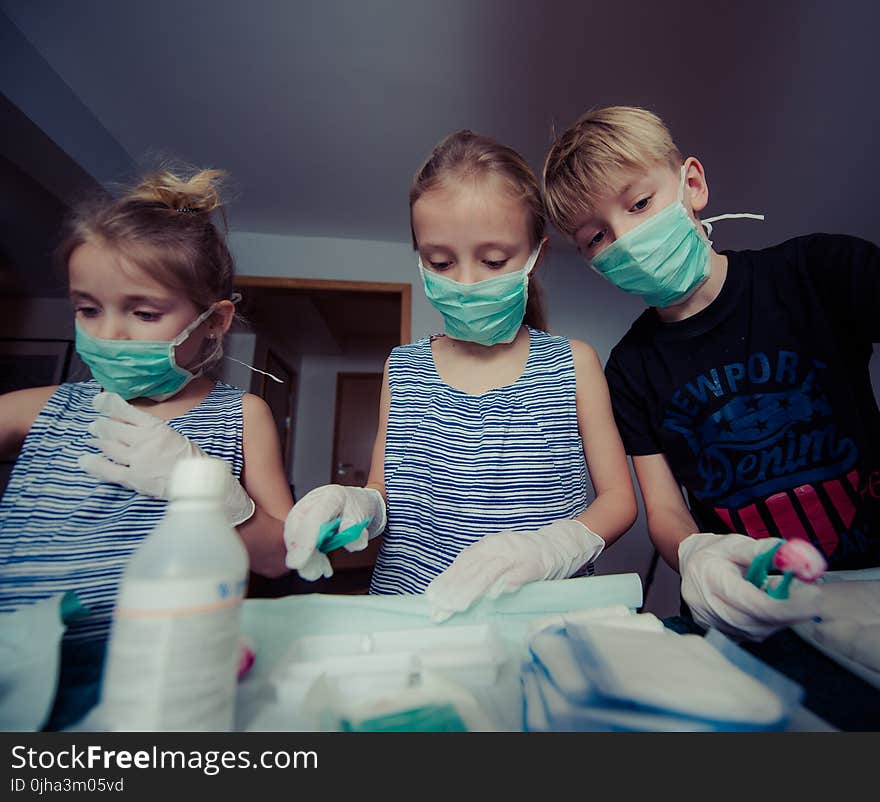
(324, 504)
(713, 584)
(505, 561)
(850, 622)
(143, 450)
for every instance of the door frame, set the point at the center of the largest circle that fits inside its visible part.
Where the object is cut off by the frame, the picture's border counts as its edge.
(404, 290)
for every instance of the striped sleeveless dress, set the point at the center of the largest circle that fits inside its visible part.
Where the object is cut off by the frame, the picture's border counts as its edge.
(62, 529)
(460, 466)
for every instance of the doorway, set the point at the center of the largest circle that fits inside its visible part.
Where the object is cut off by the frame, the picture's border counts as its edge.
(328, 342)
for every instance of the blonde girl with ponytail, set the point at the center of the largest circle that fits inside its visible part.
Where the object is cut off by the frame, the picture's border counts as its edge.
(151, 281)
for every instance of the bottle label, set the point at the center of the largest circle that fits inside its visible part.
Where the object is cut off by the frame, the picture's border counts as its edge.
(173, 655)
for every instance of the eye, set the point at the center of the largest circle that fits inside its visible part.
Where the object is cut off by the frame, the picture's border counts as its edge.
(149, 317)
(597, 239)
(495, 264)
(440, 266)
(641, 205)
(86, 311)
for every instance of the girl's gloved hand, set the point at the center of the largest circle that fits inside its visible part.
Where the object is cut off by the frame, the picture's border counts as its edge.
(140, 451)
(320, 506)
(713, 569)
(505, 561)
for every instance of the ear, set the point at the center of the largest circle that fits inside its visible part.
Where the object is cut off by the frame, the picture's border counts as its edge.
(221, 320)
(695, 187)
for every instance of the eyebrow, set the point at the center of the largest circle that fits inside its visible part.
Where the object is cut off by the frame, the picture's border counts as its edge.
(129, 299)
(479, 246)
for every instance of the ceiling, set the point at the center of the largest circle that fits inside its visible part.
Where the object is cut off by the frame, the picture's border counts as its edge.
(322, 111)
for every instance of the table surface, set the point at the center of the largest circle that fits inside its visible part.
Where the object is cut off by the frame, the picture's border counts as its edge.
(834, 697)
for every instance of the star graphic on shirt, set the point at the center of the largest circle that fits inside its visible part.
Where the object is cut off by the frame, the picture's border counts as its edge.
(760, 425)
(752, 404)
(784, 403)
(815, 392)
(724, 425)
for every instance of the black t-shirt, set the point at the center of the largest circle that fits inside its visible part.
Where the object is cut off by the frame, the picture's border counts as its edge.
(762, 402)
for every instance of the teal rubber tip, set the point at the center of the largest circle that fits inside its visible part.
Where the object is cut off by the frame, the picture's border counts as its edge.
(430, 718)
(330, 538)
(72, 608)
(759, 570)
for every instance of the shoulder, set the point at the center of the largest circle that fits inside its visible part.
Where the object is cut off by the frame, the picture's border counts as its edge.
(410, 350)
(639, 337)
(587, 365)
(258, 424)
(548, 345)
(18, 412)
(404, 359)
(26, 403)
(584, 356)
(254, 408)
(809, 250)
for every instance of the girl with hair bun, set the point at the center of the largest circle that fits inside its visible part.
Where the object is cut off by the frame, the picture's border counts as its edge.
(151, 281)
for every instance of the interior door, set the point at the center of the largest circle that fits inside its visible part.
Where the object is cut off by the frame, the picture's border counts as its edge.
(357, 420)
(281, 398)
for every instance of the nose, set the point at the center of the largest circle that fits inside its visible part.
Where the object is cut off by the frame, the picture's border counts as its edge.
(110, 327)
(616, 228)
(468, 272)
(621, 225)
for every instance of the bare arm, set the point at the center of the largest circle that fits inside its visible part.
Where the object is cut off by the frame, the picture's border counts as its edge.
(264, 480)
(669, 520)
(614, 510)
(376, 479)
(18, 411)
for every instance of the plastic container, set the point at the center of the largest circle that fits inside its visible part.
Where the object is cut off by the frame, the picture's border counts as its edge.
(174, 647)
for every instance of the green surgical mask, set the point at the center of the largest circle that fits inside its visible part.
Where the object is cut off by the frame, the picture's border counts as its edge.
(485, 312)
(142, 368)
(665, 259)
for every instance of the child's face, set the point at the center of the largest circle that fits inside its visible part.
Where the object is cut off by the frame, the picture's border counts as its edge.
(472, 230)
(636, 196)
(115, 299)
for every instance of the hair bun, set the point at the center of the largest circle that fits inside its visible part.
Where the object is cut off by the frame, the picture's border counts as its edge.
(197, 194)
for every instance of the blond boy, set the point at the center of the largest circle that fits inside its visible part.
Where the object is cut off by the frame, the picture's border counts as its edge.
(745, 383)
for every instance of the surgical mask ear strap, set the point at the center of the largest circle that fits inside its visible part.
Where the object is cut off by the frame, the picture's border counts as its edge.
(234, 298)
(194, 325)
(707, 223)
(256, 370)
(533, 258)
(681, 185)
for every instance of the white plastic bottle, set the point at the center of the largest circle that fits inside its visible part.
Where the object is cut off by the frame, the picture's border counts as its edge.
(174, 644)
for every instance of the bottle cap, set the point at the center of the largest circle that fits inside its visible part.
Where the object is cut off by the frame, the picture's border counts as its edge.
(199, 478)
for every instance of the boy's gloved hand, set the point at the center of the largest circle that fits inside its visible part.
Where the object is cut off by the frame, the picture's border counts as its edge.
(713, 584)
(503, 562)
(324, 504)
(143, 450)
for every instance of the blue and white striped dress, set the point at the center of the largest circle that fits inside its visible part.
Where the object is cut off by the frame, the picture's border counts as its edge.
(460, 466)
(62, 529)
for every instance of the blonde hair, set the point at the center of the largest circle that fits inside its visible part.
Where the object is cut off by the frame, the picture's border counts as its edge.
(466, 155)
(585, 161)
(163, 225)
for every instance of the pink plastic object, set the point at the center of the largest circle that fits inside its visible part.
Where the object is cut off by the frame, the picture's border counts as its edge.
(801, 558)
(246, 657)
